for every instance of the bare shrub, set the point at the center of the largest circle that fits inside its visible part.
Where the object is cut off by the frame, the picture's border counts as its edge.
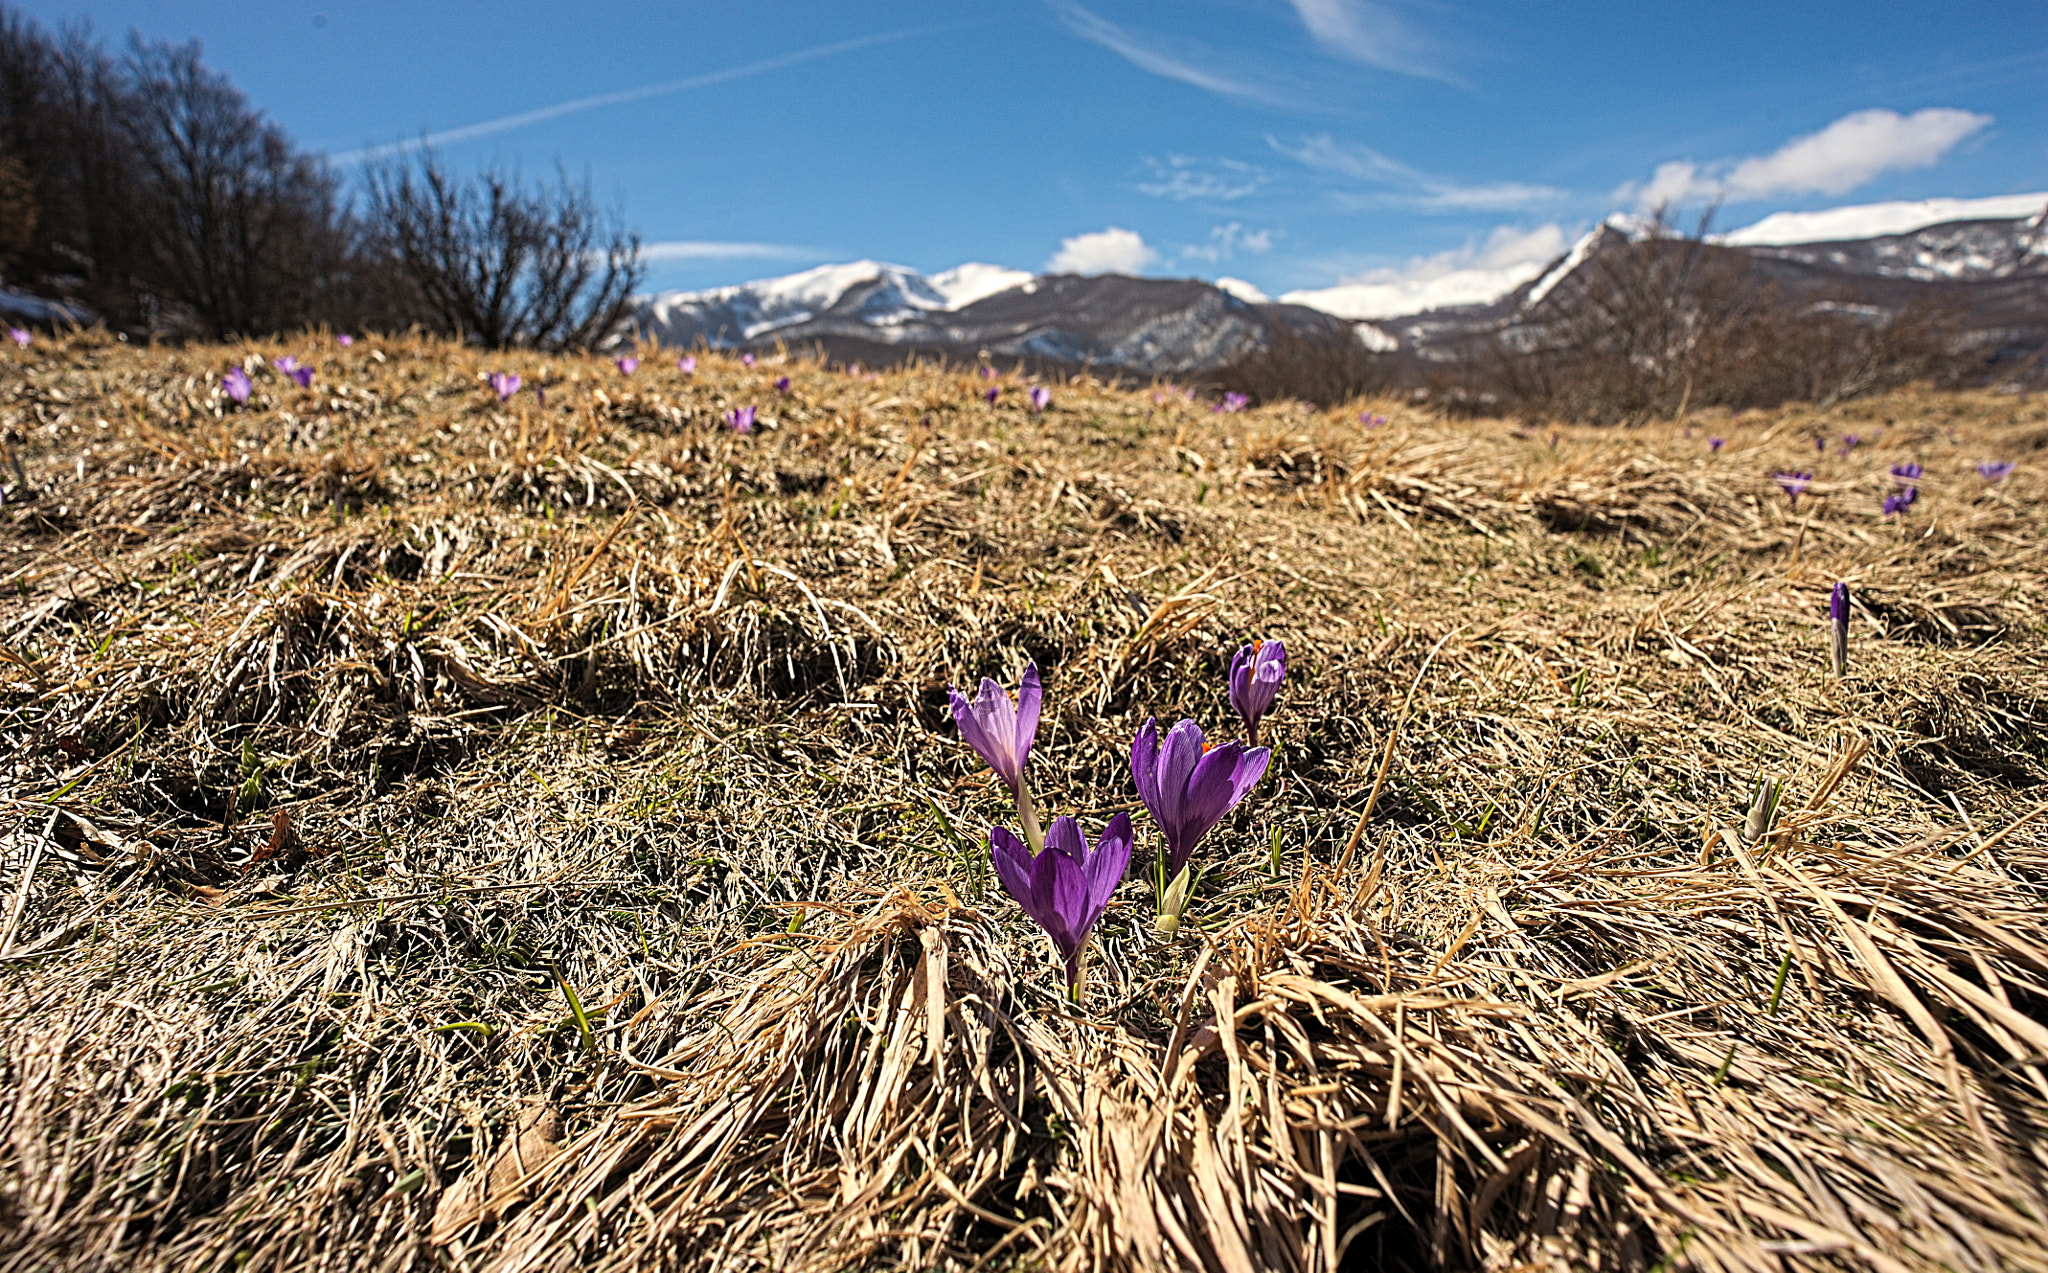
(497, 262)
(1324, 365)
(1663, 320)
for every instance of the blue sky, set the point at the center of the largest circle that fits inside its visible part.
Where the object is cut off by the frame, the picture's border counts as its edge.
(1291, 143)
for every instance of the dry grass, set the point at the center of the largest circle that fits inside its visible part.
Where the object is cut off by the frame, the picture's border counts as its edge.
(445, 834)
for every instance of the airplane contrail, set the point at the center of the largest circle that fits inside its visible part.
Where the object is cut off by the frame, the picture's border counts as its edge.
(521, 120)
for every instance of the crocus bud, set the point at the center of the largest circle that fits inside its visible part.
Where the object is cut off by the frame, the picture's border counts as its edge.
(1838, 619)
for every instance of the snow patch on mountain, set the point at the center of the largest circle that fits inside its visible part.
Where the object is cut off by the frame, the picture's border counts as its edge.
(1871, 220)
(1396, 296)
(1246, 292)
(965, 284)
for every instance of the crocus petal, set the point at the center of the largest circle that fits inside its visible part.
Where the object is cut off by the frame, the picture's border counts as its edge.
(1026, 719)
(974, 731)
(1012, 858)
(1106, 866)
(1145, 765)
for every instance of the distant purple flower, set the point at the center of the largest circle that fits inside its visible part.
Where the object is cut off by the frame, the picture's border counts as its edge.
(344, 340)
(287, 364)
(1066, 887)
(852, 369)
(1899, 501)
(628, 365)
(1820, 444)
(782, 384)
(540, 396)
(1715, 444)
(1256, 671)
(21, 336)
(1188, 785)
(991, 395)
(304, 375)
(1795, 484)
(505, 384)
(1235, 402)
(1838, 624)
(1041, 397)
(1371, 420)
(987, 372)
(1850, 441)
(236, 384)
(741, 419)
(1906, 474)
(746, 360)
(1995, 471)
(686, 364)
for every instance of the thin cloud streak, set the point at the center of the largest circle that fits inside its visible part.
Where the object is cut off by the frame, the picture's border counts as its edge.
(1152, 57)
(1424, 191)
(1366, 32)
(468, 132)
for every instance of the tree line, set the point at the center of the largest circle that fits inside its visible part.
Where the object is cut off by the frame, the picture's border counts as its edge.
(143, 186)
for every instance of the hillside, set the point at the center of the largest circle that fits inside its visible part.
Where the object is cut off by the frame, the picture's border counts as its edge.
(464, 831)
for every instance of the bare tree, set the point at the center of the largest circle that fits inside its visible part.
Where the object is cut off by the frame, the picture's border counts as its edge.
(501, 263)
(243, 229)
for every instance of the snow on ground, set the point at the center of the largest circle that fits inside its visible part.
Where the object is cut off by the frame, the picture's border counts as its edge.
(1872, 219)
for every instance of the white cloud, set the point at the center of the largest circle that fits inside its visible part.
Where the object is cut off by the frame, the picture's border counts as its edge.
(705, 250)
(1417, 189)
(1846, 154)
(1469, 275)
(1111, 251)
(1181, 178)
(1365, 32)
(1172, 59)
(1226, 241)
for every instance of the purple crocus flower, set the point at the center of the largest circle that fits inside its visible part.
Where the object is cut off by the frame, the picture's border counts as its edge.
(304, 375)
(1795, 484)
(1850, 441)
(987, 372)
(1371, 420)
(21, 336)
(686, 364)
(1041, 397)
(628, 365)
(741, 419)
(1000, 727)
(286, 364)
(991, 395)
(236, 384)
(782, 384)
(1820, 445)
(1838, 622)
(1995, 471)
(1234, 402)
(1189, 785)
(1899, 501)
(344, 340)
(1067, 886)
(1906, 474)
(1715, 444)
(1256, 671)
(746, 360)
(504, 384)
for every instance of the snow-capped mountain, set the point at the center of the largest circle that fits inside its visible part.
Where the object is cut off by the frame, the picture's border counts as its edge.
(1984, 258)
(874, 312)
(859, 297)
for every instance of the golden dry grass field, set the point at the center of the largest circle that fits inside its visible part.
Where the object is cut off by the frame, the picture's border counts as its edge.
(445, 833)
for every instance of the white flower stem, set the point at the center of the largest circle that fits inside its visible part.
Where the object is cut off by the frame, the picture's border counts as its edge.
(1027, 813)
